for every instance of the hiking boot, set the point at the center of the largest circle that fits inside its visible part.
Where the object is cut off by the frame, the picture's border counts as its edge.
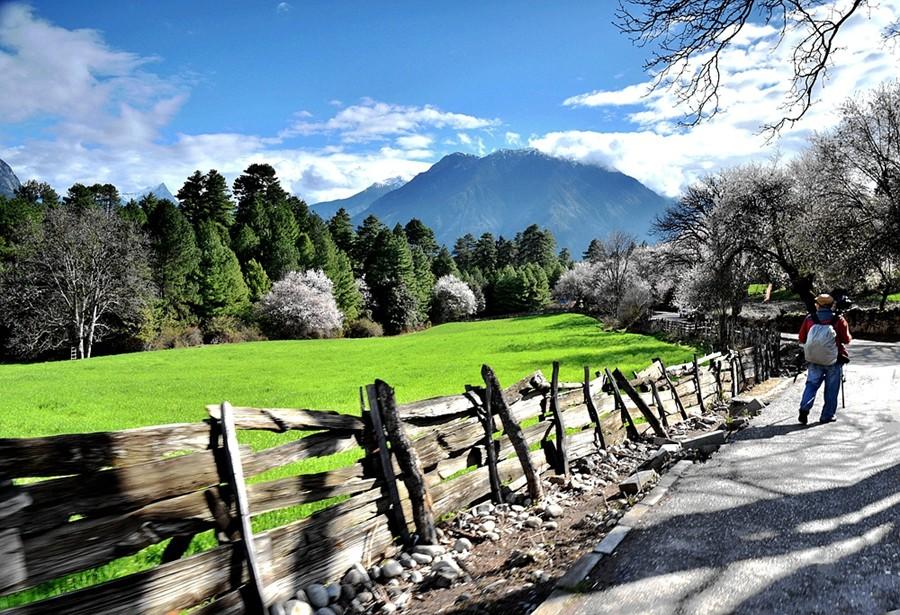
(828, 420)
(803, 418)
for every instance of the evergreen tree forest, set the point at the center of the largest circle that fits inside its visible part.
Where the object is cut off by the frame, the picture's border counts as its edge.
(213, 256)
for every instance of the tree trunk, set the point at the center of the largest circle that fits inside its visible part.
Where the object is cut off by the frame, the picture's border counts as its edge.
(883, 302)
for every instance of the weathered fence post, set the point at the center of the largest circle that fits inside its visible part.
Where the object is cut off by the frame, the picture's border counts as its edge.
(639, 402)
(697, 385)
(718, 374)
(562, 458)
(675, 396)
(487, 421)
(659, 405)
(513, 432)
(413, 477)
(592, 408)
(378, 444)
(630, 429)
(255, 598)
(732, 365)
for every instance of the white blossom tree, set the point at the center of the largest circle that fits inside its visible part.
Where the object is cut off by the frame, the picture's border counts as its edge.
(453, 299)
(301, 305)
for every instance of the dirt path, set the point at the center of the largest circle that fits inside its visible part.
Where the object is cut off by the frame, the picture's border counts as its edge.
(788, 519)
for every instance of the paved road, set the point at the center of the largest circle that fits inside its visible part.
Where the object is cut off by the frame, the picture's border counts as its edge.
(787, 519)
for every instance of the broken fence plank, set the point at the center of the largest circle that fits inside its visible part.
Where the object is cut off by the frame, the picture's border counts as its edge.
(388, 478)
(622, 381)
(562, 458)
(284, 419)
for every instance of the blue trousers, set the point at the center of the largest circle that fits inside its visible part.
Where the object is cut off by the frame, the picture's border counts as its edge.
(831, 376)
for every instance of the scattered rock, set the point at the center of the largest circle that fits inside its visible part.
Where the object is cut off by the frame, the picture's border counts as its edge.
(432, 550)
(296, 607)
(637, 482)
(550, 526)
(422, 558)
(713, 438)
(334, 591)
(317, 595)
(391, 568)
(416, 577)
(488, 526)
(325, 611)
(276, 609)
(348, 593)
(462, 544)
(534, 522)
(553, 510)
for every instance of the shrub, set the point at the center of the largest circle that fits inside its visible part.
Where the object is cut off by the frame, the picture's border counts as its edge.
(174, 335)
(301, 305)
(363, 327)
(230, 330)
(453, 299)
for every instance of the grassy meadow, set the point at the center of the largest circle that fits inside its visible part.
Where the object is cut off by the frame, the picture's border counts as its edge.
(173, 386)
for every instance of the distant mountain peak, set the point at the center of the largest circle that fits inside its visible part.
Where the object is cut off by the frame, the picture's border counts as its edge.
(507, 190)
(358, 203)
(160, 191)
(9, 183)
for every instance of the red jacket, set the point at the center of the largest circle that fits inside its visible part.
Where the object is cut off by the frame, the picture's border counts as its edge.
(840, 328)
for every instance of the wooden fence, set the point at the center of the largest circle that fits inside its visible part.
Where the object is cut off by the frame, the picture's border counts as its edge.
(110, 495)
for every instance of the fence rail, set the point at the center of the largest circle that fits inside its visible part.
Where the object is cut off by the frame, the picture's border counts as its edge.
(109, 495)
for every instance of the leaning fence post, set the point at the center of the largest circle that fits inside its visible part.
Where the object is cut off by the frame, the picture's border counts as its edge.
(675, 396)
(398, 521)
(630, 429)
(659, 405)
(513, 432)
(256, 601)
(413, 477)
(697, 384)
(562, 458)
(592, 408)
(639, 402)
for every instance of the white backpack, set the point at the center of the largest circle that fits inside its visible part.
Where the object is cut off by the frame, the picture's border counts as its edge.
(821, 344)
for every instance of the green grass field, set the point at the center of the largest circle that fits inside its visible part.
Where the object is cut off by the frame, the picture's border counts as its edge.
(173, 386)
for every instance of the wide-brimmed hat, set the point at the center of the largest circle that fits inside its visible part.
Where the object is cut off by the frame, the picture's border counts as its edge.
(825, 300)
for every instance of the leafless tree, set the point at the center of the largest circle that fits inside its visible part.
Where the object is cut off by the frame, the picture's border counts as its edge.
(690, 36)
(77, 276)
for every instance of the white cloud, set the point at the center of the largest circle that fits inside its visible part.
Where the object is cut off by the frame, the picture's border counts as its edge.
(283, 7)
(414, 141)
(104, 113)
(464, 138)
(73, 78)
(372, 120)
(513, 138)
(755, 78)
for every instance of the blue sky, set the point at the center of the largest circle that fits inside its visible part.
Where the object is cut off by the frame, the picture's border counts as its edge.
(338, 95)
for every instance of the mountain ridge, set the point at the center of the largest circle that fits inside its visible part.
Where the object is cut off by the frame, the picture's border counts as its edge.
(504, 192)
(9, 183)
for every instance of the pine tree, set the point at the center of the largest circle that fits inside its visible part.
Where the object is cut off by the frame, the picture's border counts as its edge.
(595, 251)
(176, 258)
(484, 256)
(342, 230)
(366, 242)
(463, 250)
(222, 288)
(444, 264)
(258, 283)
(418, 234)
(424, 281)
(346, 293)
(391, 279)
(204, 198)
(506, 252)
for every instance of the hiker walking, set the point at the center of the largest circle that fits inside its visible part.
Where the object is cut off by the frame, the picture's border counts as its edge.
(824, 336)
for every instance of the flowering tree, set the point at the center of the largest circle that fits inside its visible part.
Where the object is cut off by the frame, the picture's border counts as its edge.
(301, 305)
(453, 299)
